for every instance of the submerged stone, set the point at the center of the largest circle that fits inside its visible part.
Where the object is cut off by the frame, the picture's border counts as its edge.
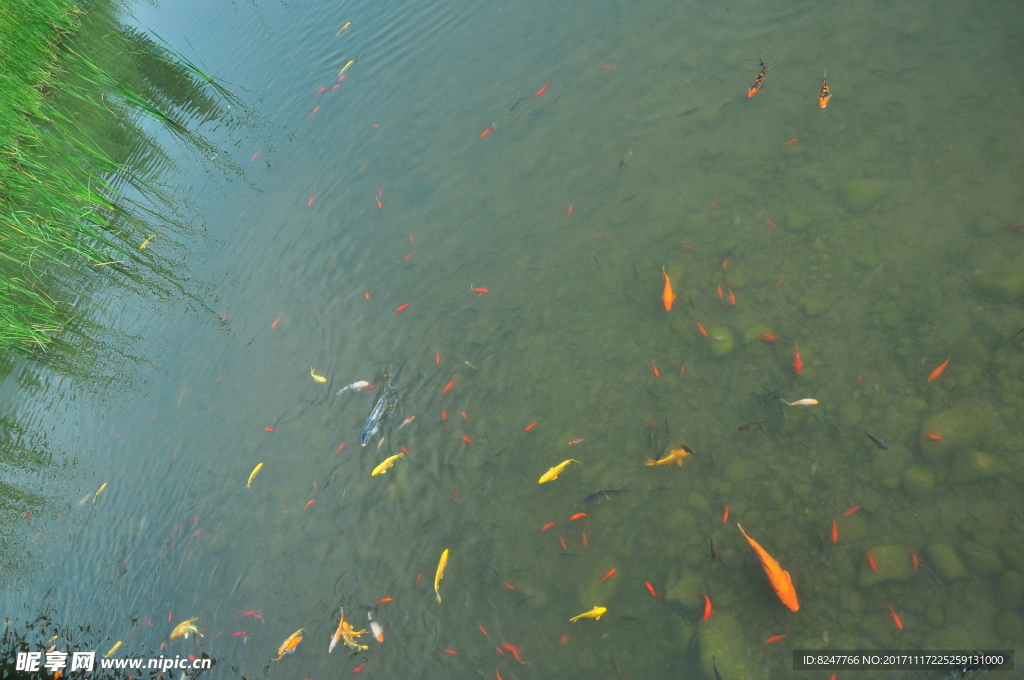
(686, 589)
(961, 427)
(888, 465)
(1001, 285)
(946, 561)
(850, 414)
(722, 341)
(722, 636)
(974, 466)
(1010, 591)
(798, 220)
(980, 559)
(862, 193)
(918, 481)
(893, 564)
(1009, 626)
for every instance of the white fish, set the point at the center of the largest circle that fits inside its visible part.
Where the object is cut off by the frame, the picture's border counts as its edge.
(355, 387)
(378, 631)
(800, 402)
(407, 421)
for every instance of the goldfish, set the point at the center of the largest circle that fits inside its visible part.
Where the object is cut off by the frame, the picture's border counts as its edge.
(441, 564)
(721, 294)
(359, 668)
(516, 654)
(484, 631)
(707, 607)
(449, 386)
(343, 28)
(146, 242)
(578, 515)
(478, 291)
(651, 590)
(676, 456)
(467, 439)
(934, 437)
(383, 600)
(553, 473)
(530, 426)
(732, 297)
(290, 643)
(255, 614)
(667, 296)
(771, 224)
(700, 327)
(800, 402)
(113, 649)
(871, 561)
(276, 321)
(488, 130)
(895, 618)
(758, 82)
(607, 576)
(913, 558)
(775, 638)
(318, 378)
(725, 514)
(596, 613)
(938, 371)
(574, 442)
(548, 526)
(824, 96)
(835, 531)
(778, 578)
(252, 475)
(792, 141)
(654, 368)
(561, 541)
(543, 90)
(386, 464)
(309, 503)
(98, 492)
(852, 510)
(402, 308)
(184, 628)
(798, 362)
(355, 387)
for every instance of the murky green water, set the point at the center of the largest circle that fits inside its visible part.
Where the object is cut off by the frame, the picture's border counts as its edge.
(896, 244)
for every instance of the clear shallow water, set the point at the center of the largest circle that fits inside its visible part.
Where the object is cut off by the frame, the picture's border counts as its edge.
(895, 242)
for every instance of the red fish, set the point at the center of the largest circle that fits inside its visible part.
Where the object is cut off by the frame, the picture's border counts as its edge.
(255, 614)
(651, 590)
(402, 308)
(871, 561)
(798, 362)
(721, 294)
(256, 155)
(359, 668)
(852, 510)
(515, 651)
(452, 652)
(449, 386)
(530, 426)
(895, 618)
(707, 607)
(835, 531)
(574, 442)
(732, 297)
(548, 526)
(771, 224)
(938, 371)
(463, 414)
(586, 541)
(484, 631)
(312, 197)
(913, 558)
(244, 636)
(655, 369)
(313, 112)
(778, 284)
(478, 291)
(682, 371)
(562, 541)
(568, 213)
(270, 429)
(497, 675)
(437, 357)
(775, 638)
(508, 585)
(320, 91)
(608, 575)
(467, 439)
(340, 449)
(274, 325)
(408, 255)
(578, 515)
(703, 331)
(543, 89)
(934, 437)
(419, 577)
(767, 337)
(564, 640)
(383, 600)
(309, 504)
(725, 514)
(487, 131)
(792, 141)
(444, 415)
(725, 263)
(366, 294)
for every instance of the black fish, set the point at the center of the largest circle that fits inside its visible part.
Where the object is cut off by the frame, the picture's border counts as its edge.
(718, 676)
(604, 495)
(714, 553)
(878, 442)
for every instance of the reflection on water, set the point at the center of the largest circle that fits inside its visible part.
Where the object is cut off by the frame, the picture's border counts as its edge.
(874, 245)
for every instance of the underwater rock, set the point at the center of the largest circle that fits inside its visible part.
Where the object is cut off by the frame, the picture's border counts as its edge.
(974, 466)
(918, 481)
(889, 465)
(797, 220)
(722, 341)
(1002, 285)
(946, 561)
(685, 591)
(980, 559)
(1009, 626)
(722, 636)
(893, 564)
(860, 194)
(813, 306)
(961, 427)
(1010, 591)
(850, 414)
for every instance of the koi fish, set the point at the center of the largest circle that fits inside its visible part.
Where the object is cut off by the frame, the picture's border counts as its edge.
(543, 90)
(385, 405)
(309, 503)
(707, 607)
(721, 294)
(252, 475)
(596, 613)
(607, 576)
(442, 563)
(938, 371)
(255, 614)
(402, 308)
(548, 526)
(871, 561)
(484, 631)
(467, 439)
(767, 337)
(758, 82)
(407, 421)
(146, 242)
(667, 296)
(530, 426)
(775, 638)
(798, 362)
(318, 378)
(343, 28)
(895, 618)
(104, 486)
(478, 291)
(771, 224)
(516, 654)
(824, 96)
(553, 473)
(700, 327)
(355, 387)
(725, 514)
(847, 513)
(578, 515)
(345, 632)
(835, 531)
(749, 426)
(732, 297)
(290, 643)
(913, 558)
(276, 321)
(778, 578)
(113, 649)
(384, 599)
(574, 442)
(377, 630)
(655, 369)
(244, 636)
(934, 437)
(676, 456)
(585, 540)
(561, 541)
(800, 402)
(359, 668)
(347, 66)
(184, 628)
(386, 464)
(488, 130)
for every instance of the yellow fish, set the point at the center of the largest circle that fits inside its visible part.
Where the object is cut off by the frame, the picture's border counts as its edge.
(184, 628)
(595, 613)
(346, 67)
(98, 491)
(290, 643)
(318, 378)
(442, 563)
(675, 456)
(553, 473)
(113, 649)
(146, 242)
(343, 28)
(386, 465)
(252, 475)
(347, 633)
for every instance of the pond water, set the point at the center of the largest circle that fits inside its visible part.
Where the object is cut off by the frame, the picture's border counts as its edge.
(881, 235)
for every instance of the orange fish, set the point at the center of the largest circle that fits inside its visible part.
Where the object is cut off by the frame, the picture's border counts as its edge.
(835, 531)
(725, 514)
(725, 263)
(852, 510)
(938, 371)
(366, 294)
(384, 599)
(655, 369)
(437, 357)
(411, 252)
(823, 97)
(792, 141)
(586, 542)
(274, 325)
(798, 363)
(497, 675)
(270, 429)
(651, 589)
(530, 426)
(682, 371)
(463, 414)
(478, 291)
(467, 439)
(568, 213)
(359, 668)
(508, 585)
(871, 561)
(767, 337)
(452, 652)
(564, 640)
(934, 437)
(419, 577)
(310, 503)
(562, 541)
(576, 441)
(700, 327)
(778, 284)
(402, 308)
(720, 293)
(913, 558)
(543, 90)
(340, 449)
(484, 631)
(775, 638)
(449, 386)
(667, 296)
(608, 575)
(487, 131)
(548, 526)
(895, 618)
(758, 82)
(771, 224)
(312, 197)
(515, 651)
(732, 297)
(578, 515)
(444, 415)
(778, 578)
(707, 607)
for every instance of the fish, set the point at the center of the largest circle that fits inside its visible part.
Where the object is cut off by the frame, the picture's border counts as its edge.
(675, 456)
(847, 513)
(530, 426)
(725, 514)
(708, 609)
(654, 368)
(596, 613)
(385, 406)
(775, 638)
(347, 66)
(667, 296)
(484, 631)
(184, 628)
(931, 435)
(274, 324)
(585, 540)
(548, 526)
(578, 515)
(516, 654)
(407, 421)
(146, 242)
(700, 327)
(799, 402)
(732, 297)
(386, 464)
(318, 378)
(448, 387)
(778, 578)
(113, 649)
(913, 558)
(895, 618)
(345, 631)
(607, 576)
(714, 553)
(835, 531)
(355, 387)
(402, 308)
(798, 362)
(467, 439)
(543, 90)
(441, 564)
(478, 291)
(343, 28)
(604, 495)
(758, 82)
(377, 630)
(721, 294)
(771, 224)
(938, 371)
(252, 475)
(626, 156)
(553, 473)
(574, 442)
(824, 96)
(290, 643)
(878, 442)
(488, 130)
(871, 561)
(714, 666)
(750, 426)
(98, 492)
(359, 668)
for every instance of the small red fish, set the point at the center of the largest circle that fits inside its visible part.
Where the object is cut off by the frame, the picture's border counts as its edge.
(336, 86)
(725, 514)
(309, 504)
(651, 590)
(444, 415)
(508, 585)
(409, 254)
(913, 558)
(383, 600)
(402, 308)
(934, 437)
(256, 155)
(244, 636)
(312, 197)
(487, 131)
(548, 526)
(276, 321)
(313, 112)
(871, 561)
(562, 541)
(707, 607)
(361, 666)
(938, 371)
(463, 414)
(366, 294)
(792, 141)
(732, 297)
(895, 618)
(543, 90)
(703, 331)
(721, 293)
(767, 337)
(254, 613)
(452, 652)
(497, 675)
(576, 441)
(655, 369)
(775, 638)
(449, 386)
(608, 575)
(467, 439)
(568, 213)
(484, 631)
(798, 362)
(269, 429)
(771, 224)
(835, 531)
(530, 426)
(170, 615)
(419, 577)
(852, 510)
(586, 542)
(320, 91)
(578, 515)
(437, 357)
(478, 291)
(515, 651)
(340, 449)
